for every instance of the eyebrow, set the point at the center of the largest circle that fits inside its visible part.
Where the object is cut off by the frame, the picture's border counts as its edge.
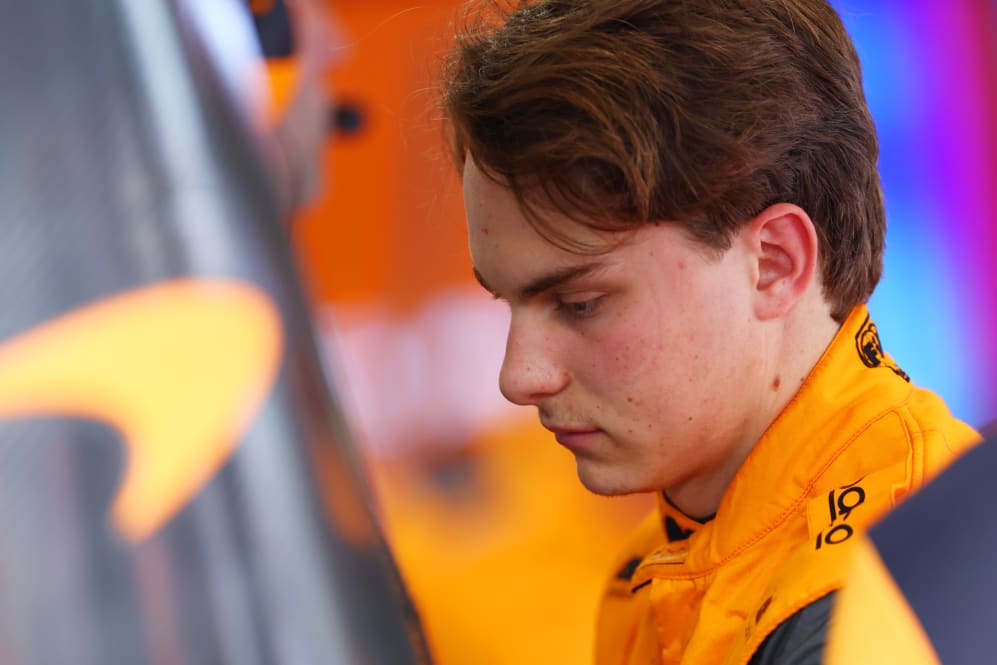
(547, 281)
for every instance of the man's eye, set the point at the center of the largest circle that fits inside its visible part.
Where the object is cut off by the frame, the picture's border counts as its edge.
(579, 308)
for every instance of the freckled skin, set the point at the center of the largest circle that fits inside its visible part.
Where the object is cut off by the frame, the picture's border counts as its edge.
(659, 369)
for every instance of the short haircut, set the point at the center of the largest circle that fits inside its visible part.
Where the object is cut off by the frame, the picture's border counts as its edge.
(701, 113)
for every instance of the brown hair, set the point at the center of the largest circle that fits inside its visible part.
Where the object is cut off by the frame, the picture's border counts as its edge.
(696, 112)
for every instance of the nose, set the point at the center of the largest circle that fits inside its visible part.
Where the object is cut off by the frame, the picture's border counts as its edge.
(531, 369)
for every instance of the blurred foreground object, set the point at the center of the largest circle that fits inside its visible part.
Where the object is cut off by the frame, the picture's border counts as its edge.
(299, 43)
(922, 588)
(176, 482)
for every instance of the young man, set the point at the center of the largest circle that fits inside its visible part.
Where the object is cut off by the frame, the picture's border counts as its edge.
(680, 203)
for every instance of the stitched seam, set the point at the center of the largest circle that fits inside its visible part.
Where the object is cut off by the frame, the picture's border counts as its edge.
(800, 499)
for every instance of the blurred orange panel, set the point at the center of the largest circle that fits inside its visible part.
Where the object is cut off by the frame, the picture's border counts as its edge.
(389, 223)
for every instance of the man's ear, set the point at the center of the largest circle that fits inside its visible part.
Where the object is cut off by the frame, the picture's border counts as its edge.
(783, 241)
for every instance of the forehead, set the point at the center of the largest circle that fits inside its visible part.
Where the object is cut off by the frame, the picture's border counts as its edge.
(507, 253)
(515, 262)
(496, 222)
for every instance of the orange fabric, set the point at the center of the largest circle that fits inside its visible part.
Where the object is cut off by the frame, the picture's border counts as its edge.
(873, 624)
(855, 440)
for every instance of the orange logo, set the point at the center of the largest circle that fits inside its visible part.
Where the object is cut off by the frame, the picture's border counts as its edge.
(179, 369)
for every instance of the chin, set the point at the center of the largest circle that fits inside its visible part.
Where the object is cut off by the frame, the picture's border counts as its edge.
(607, 480)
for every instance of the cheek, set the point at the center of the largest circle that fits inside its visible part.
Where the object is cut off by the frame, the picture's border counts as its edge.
(664, 371)
(631, 365)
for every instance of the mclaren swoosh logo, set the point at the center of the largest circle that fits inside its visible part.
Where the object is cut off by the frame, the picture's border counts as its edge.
(179, 369)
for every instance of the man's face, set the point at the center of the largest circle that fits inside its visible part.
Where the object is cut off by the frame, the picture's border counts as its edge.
(642, 359)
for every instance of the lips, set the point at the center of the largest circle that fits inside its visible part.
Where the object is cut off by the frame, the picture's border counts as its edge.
(574, 438)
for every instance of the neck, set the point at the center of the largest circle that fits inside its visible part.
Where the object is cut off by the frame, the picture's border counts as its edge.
(796, 347)
(790, 347)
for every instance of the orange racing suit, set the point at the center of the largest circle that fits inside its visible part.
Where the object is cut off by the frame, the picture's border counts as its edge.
(855, 440)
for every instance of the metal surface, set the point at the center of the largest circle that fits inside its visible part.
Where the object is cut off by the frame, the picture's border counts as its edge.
(123, 165)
